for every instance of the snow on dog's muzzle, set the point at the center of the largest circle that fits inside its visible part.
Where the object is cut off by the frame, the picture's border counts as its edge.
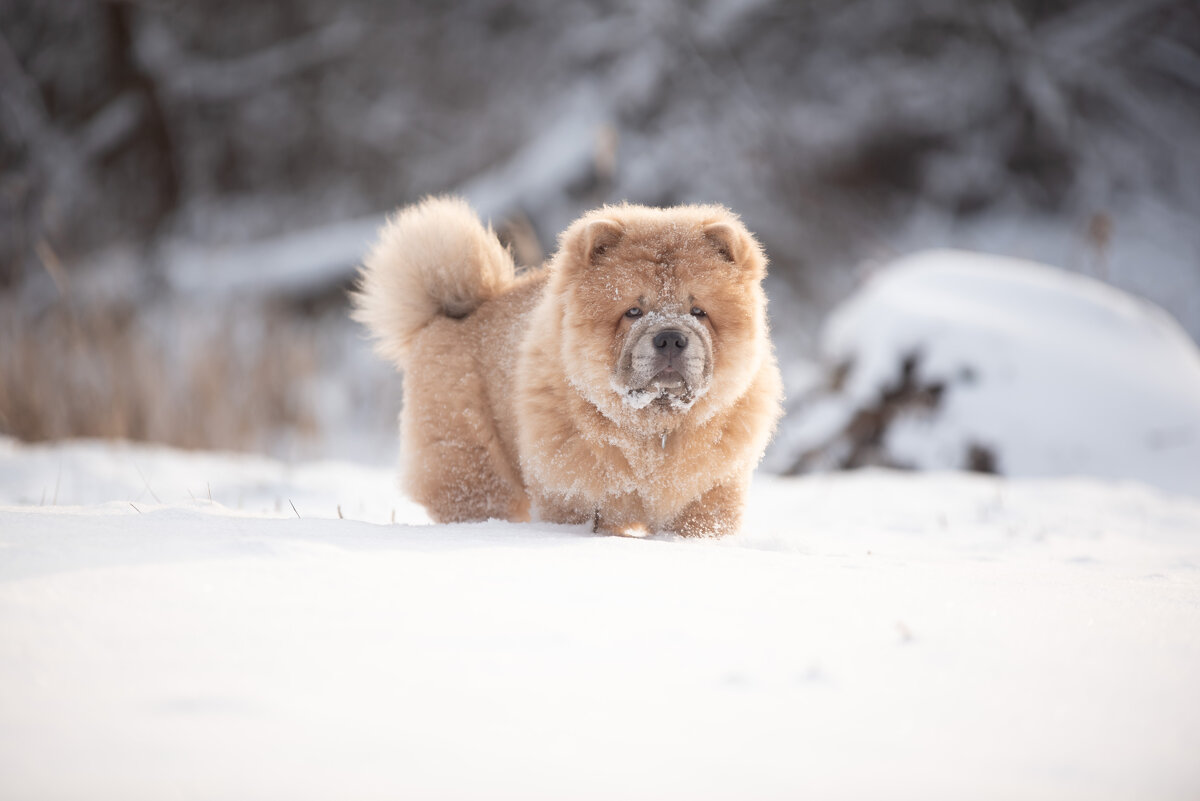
(667, 360)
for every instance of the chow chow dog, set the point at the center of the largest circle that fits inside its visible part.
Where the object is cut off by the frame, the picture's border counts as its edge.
(629, 383)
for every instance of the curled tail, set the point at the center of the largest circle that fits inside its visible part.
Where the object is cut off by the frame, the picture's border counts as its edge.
(433, 258)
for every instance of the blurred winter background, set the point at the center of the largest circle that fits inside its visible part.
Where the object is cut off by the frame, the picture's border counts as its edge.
(185, 189)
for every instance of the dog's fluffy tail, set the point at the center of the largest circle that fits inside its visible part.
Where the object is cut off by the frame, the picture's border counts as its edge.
(433, 258)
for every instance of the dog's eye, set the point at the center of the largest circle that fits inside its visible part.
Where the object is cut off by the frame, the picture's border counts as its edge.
(634, 312)
(698, 312)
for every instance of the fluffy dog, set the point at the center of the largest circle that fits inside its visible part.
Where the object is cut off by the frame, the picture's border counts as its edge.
(630, 382)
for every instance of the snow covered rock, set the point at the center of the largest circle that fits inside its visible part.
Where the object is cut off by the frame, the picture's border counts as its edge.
(950, 359)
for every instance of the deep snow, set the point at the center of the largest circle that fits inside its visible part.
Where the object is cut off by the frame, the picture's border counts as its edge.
(868, 635)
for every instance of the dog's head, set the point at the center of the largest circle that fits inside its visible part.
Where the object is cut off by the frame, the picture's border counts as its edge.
(662, 310)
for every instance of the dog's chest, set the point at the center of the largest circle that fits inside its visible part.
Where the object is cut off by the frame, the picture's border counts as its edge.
(664, 471)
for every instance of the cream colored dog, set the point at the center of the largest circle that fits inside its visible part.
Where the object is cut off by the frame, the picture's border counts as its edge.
(630, 382)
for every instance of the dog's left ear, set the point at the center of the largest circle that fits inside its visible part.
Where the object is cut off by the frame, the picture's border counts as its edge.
(735, 245)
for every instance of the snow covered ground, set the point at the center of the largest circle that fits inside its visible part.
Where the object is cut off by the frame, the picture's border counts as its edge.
(206, 626)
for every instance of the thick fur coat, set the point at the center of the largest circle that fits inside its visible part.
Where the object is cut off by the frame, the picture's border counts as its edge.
(630, 382)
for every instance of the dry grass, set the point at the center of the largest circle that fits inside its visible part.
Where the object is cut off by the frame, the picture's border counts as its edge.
(195, 379)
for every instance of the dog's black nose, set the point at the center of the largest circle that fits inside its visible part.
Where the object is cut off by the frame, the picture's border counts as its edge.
(670, 339)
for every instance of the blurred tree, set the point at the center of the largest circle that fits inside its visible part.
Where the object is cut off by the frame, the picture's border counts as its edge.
(825, 122)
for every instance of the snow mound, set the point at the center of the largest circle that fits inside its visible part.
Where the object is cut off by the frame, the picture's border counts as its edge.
(951, 359)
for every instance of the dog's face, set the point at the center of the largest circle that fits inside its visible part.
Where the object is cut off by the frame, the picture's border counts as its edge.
(662, 312)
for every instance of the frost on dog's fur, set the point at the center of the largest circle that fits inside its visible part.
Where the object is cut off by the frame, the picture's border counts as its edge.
(630, 383)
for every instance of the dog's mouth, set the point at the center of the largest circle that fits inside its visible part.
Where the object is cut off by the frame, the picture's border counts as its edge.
(668, 378)
(667, 390)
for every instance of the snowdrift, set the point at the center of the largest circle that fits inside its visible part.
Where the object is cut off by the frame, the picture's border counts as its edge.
(950, 359)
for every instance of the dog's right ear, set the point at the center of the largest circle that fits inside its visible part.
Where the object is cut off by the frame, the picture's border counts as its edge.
(596, 237)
